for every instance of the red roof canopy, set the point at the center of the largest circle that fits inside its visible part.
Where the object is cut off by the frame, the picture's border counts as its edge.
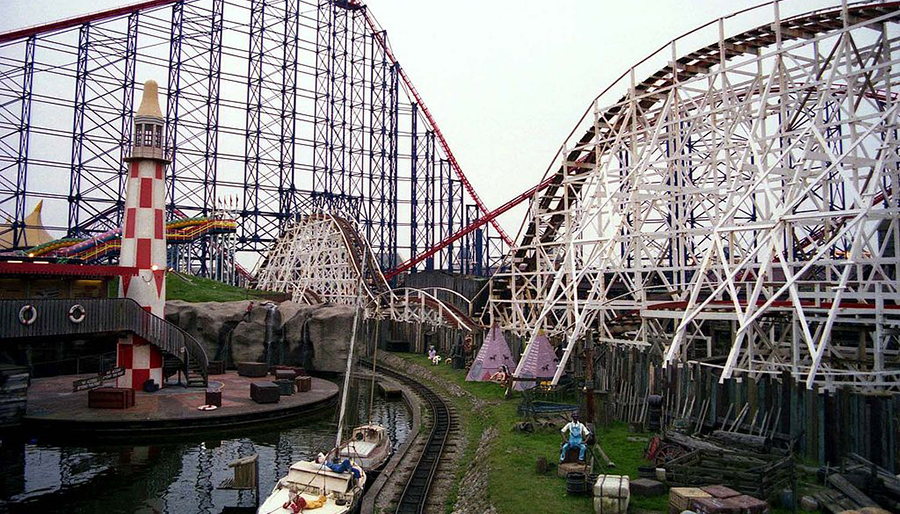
(71, 270)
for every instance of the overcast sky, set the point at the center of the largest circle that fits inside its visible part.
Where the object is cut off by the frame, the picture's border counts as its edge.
(505, 80)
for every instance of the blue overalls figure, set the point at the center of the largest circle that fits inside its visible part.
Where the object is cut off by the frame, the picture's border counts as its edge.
(577, 434)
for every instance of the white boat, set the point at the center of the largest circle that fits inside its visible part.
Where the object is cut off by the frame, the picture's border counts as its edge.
(315, 482)
(313, 485)
(369, 446)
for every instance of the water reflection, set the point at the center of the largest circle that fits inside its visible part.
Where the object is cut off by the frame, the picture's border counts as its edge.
(179, 477)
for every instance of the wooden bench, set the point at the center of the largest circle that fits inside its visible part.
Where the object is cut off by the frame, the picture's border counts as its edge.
(110, 398)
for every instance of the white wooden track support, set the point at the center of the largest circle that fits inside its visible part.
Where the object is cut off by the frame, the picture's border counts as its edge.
(738, 207)
(321, 258)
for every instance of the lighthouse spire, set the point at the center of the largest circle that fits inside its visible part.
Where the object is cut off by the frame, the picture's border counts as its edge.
(144, 238)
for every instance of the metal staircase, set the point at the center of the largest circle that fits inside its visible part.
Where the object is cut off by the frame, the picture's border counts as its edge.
(108, 316)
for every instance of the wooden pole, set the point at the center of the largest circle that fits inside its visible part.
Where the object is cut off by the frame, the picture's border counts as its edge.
(374, 360)
(589, 374)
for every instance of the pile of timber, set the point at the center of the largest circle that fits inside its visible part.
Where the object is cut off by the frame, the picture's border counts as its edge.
(860, 484)
(757, 475)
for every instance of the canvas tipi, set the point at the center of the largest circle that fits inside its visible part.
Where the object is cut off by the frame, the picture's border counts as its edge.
(493, 354)
(539, 360)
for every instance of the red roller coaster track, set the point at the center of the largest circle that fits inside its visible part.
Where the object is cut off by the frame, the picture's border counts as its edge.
(80, 20)
(437, 132)
(488, 217)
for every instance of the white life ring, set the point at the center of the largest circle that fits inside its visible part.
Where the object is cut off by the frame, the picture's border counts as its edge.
(77, 313)
(27, 314)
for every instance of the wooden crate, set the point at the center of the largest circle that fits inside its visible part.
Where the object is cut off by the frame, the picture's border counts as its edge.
(285, 387)
(749, 505)
(720, 491)
(216, 368)
(760, 476)
(285, 374)
(214, 398)
(110, 398)
(714, 506)
(681, 498)
(264, 392)
(303, 384)
(252, 369)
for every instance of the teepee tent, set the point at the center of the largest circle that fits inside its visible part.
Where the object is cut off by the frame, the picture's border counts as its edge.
(493, 354)
(539, 361)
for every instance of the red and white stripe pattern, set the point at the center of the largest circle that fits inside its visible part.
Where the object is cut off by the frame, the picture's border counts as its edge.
(143, 247)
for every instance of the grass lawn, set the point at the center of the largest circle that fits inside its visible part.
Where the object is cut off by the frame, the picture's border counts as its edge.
(197, 289)
(513, 483)
(189, 288)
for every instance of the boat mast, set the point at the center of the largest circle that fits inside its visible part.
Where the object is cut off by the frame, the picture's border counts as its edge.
(374, 361)
(359, 293)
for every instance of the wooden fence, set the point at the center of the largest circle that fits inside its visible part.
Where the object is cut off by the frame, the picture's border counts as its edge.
(822, 425)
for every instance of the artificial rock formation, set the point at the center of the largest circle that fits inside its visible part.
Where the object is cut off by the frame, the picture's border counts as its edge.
(316, 337)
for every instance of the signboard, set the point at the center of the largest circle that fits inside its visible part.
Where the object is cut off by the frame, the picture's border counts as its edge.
(93, 382)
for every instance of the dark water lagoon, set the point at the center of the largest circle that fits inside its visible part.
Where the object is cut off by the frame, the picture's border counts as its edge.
(180, 476)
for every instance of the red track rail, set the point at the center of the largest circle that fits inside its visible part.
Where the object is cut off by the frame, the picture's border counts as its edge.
(437, 131)
(489, 217)
(6, 37)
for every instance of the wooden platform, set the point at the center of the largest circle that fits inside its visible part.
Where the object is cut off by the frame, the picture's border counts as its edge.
(52, 406)
(389, 389)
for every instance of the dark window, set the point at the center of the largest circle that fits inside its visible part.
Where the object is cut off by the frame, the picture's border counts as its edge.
(157, 142)
(137, 134)
(148, 135)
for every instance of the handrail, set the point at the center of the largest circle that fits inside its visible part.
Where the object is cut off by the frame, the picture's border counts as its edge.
(445, 310)
(102, 315)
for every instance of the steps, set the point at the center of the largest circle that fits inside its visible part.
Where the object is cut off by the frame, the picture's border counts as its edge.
(195, 377)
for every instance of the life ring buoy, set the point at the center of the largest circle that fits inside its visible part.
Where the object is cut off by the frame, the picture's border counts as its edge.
(77, 313)
(27, 314)
(207, 407)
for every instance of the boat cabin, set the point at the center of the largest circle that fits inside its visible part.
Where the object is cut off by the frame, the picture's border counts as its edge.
(364, 441)
(312, 478)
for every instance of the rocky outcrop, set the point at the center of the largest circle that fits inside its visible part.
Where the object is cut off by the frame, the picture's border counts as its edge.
(313, 336)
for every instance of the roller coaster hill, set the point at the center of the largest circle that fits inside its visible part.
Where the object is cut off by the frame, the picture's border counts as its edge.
(758, 247)
(287, 107)
(106, 245)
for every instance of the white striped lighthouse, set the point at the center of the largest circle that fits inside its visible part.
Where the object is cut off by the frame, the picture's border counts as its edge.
(144, 238)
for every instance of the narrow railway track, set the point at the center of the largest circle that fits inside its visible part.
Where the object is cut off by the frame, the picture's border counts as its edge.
(415, 492)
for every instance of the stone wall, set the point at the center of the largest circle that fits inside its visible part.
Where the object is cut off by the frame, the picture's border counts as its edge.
(313, 336)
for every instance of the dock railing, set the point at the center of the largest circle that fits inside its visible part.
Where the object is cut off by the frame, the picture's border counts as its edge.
(27, 318)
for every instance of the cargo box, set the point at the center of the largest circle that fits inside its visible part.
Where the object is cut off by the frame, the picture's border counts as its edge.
(681, 498)
(611, 494)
